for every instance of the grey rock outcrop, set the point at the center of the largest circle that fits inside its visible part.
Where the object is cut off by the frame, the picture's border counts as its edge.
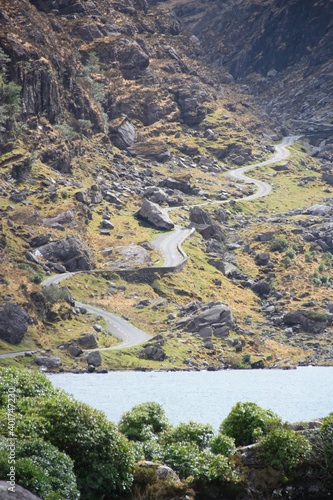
(309, 321)
(92, 195)
(152, 213)
(156, 150)
(205, 224)
(217, 319)
(70, 251)
(48, 361)
(19, 493)
(122, 133)
(14, 321)
(88, 341)
(152, 352)
(94, 359)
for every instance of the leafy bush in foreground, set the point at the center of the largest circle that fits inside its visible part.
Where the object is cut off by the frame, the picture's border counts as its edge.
(26, 384)
(142, 421)
(247, 421)
(191, 432)
(283, 449)
(42, 469)
(223, 445)
(103, 458)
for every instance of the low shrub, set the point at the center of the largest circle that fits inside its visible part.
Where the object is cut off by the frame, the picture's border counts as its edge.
(278, 244)
(191, 432)
(247, 421)
(141, 421)
(284, 450)
(41, 468)
(211, 468)
(36, 278)
(103, 458)
(24, 384)
(223, 445)
(181, 457)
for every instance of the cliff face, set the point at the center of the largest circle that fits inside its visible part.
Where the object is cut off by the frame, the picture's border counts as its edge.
(282, 48)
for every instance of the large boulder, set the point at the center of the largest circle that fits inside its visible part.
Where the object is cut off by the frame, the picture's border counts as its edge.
(122, 133)
(154, 150)
(92, 195)
(152, 352)
(94, 359)
(48, 361)
(88, 341)
(14, 322)
(218, 318)
(152, 213)
(205, 224)
(309, 321)
(9, 492)
(71, 251)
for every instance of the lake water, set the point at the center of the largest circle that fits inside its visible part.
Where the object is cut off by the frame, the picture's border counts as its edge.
(206, 397)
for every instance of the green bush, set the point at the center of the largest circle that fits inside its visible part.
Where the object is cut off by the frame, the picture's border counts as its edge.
(284, 450)
(141, 421)
(36, 278)
(26, 384)
(223, 445)
(211, 468)
(103, 458)
(247, 421)
(278, 244)
(54, 293)
(191, 432)
(41, 468)
(181, 457)
(323, 451)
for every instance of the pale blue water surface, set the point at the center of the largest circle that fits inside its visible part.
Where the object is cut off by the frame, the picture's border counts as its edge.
(206, 397)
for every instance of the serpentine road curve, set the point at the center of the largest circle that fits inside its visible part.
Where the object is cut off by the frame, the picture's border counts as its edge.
(169, 244)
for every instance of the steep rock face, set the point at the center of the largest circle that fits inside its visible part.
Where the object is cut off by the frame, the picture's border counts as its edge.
(14, 322)
(282, 47)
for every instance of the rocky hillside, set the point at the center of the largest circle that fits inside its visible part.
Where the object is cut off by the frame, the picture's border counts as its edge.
(281, 49)
(110, 109)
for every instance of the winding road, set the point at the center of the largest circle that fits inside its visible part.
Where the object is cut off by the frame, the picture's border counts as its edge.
(169, 245)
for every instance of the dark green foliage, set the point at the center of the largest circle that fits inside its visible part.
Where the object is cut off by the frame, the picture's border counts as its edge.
(103, 458)
(191, 432)
(36, 278)
(223, 445)
(143, 420)
(53, 294)
(41, 468)
(213, 468)
(26, 383)
(182, 457)
(284, 450)
(278, 244)
(247, 421)
(323, 451)
(201, 467)
(10, 101)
